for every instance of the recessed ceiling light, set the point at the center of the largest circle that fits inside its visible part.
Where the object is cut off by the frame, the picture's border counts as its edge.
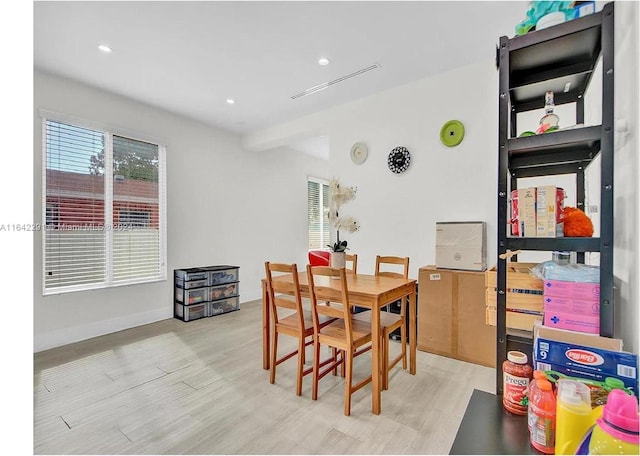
(323, 61)
(231, 101)
(104, 48)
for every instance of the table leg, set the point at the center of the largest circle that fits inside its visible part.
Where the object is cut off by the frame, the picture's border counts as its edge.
(412, 332)
(376, 348)
(266, 326)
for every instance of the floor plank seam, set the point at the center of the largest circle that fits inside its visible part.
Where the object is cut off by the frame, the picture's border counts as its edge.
(65, 421)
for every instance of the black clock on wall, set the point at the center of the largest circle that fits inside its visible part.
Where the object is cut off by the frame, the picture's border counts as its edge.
(399, 160)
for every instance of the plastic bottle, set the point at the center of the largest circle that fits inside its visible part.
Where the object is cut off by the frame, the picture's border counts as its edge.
(574, 415)
(516, 374)
(616, 432)
(542, 411)
(549, 121)
(533, 388)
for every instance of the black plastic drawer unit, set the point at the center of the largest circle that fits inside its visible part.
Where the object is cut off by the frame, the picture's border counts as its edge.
(206, 291)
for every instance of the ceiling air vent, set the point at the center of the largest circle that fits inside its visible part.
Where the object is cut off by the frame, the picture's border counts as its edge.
(324, 85)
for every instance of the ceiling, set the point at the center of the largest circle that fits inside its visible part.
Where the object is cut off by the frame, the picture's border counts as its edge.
(190, 57)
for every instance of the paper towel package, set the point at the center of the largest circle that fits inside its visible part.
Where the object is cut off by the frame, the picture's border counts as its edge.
(461, 245)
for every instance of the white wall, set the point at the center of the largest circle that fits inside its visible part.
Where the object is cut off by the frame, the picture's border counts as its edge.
(224, 206)
(626, 172)
(397, 213)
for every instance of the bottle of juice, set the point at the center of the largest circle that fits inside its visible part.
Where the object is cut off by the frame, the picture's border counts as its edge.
(533, 388)
(574, 415)
(542, 413)
(616, 432)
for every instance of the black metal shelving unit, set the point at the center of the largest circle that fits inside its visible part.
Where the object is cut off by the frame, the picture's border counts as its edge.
(562, 59)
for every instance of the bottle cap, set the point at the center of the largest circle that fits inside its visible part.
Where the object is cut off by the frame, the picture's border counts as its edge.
(572, 392)
(544, 384)
(517, 357)
(620, 416)
(614, 383)
(539, 374)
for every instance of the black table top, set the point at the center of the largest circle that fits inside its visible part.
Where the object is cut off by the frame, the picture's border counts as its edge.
(487, 428)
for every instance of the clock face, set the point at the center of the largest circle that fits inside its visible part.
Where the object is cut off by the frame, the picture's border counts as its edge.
(399, 160)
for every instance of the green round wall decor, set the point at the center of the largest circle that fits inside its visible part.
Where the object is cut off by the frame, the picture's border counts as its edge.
(452, 133)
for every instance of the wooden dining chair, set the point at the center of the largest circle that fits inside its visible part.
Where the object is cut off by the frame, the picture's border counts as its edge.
(391, 266)
(351, 337)
(285, 297)
(353, 259)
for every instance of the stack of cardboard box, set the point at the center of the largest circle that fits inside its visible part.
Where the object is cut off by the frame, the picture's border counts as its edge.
(572, 305)
(537, 212)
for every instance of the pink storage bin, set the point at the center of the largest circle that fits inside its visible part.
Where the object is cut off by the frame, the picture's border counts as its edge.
(573, 322)
(569, 305)
(575, 290)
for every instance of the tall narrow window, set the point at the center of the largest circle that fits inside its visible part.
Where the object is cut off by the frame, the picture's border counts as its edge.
(103, 209)
(317, 211)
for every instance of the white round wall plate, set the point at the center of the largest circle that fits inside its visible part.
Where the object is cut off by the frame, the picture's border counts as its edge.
(359, 153)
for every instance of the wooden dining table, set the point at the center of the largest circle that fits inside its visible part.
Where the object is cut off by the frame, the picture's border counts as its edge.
(369, 291)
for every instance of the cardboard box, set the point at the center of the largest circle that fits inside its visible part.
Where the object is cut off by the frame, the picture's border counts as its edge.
(461, 245)
(590, 307)
(588, 323)
(576, 338)
(549, 211)
(574, 290)
(450, 316)
(584, 356)
(527, 213)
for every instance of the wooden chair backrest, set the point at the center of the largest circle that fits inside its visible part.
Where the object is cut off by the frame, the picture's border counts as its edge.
(353, 259)
(328, 300)
(395, 262)
(281, 292)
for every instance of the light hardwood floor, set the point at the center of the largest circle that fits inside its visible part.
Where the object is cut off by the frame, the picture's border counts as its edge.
(199, 388)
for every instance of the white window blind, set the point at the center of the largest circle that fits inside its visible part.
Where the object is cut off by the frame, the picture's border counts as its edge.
(103, 209)
(317, 211)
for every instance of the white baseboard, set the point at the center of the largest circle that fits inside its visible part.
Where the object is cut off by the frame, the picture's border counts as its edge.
(99, 328)
(66, 336)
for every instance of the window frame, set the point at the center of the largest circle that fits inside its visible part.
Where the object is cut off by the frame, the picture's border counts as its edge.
(109, 132)
(324, 218)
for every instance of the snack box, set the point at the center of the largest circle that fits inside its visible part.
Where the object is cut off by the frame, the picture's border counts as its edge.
(584, 355)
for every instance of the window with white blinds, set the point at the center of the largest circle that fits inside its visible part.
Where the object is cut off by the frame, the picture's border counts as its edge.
(317, 212)
(103, 209)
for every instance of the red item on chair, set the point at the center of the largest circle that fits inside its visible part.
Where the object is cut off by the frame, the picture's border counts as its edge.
(319, 257)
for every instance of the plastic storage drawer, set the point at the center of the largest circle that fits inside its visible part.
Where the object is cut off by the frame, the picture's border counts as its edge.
(188, 313)
(222, 274)
(192, 296)
(223, 291)
(191, 274)
(188, 284)
(223, 306)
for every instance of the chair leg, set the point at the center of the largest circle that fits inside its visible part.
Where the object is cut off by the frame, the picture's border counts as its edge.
(403, 340)
(316, 369)
(274, 357)
(385, 365)
(300, 366)
(347, 383)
